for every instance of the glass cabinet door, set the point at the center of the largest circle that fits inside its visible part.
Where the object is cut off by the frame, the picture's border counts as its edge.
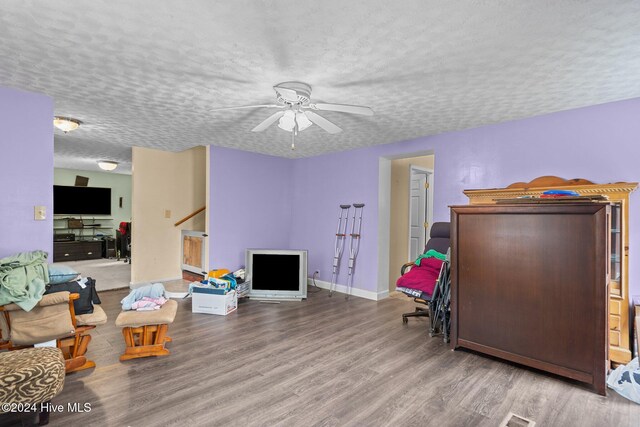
(616, 250)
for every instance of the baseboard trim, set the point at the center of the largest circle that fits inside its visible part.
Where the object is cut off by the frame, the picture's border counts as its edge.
(148, 282)
(356, 292)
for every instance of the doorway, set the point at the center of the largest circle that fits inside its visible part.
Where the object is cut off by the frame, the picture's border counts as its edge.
(410, 207)
(93, 237)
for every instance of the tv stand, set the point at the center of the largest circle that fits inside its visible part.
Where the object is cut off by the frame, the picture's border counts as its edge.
(77, 250)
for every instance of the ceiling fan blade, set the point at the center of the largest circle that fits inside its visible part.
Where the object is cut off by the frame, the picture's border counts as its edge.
(343, 108)
(268, 122)
(287, 94)
(248, 106)
(322, 122)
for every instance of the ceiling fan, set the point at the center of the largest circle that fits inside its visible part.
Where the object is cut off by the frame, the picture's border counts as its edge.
(297, 113)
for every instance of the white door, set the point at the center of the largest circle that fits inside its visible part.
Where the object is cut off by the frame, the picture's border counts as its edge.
(417, 206)
(419, 210)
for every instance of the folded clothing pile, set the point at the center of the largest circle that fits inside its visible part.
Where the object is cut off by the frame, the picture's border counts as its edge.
(148, 304)
(145, 298)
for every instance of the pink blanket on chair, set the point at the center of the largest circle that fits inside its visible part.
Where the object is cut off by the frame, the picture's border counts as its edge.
(423, 276)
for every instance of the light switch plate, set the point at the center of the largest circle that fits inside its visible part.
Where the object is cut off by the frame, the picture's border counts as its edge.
(39, 213)
(167, 213)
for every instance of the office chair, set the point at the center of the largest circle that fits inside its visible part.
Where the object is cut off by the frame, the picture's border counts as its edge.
(123, 241)
(439, 240)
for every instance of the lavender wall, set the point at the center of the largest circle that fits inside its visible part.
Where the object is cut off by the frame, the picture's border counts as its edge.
(26, 171)
(323, 183)
(600, 143)
(250, 203)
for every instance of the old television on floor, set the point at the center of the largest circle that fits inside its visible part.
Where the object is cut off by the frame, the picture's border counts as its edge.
(277, 274)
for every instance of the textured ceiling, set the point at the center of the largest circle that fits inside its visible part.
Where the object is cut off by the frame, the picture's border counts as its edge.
(149, 73)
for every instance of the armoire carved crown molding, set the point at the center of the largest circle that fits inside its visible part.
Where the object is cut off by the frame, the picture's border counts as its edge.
(538, 185)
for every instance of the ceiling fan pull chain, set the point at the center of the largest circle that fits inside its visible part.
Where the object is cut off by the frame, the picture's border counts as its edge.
(294, 133)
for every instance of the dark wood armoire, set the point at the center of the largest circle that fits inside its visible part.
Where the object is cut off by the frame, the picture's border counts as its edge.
(530, 285)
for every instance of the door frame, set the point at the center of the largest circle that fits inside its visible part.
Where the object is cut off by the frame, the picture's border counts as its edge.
(384, 215)
(428, 214)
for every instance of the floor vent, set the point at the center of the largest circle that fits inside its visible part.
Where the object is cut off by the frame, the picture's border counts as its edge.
(513, 420)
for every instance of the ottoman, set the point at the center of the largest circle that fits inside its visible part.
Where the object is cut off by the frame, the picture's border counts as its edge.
(32, 376)
(145, 332)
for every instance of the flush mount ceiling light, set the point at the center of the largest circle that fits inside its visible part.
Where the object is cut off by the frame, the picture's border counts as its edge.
(107, 165)
(66, 124)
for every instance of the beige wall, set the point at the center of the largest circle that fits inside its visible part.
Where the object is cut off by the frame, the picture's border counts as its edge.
(164, 181)
(399, 233)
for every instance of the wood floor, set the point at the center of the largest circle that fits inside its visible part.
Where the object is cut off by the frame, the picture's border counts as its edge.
(321, 362)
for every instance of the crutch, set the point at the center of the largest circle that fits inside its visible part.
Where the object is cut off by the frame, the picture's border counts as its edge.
(354, 244)
(341, 235)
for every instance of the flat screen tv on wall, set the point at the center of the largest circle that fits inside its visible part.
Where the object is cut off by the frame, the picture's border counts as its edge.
(81, 200)
(278, 274)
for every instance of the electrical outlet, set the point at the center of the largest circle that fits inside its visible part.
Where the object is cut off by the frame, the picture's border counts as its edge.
(167, 213)
(316, 273)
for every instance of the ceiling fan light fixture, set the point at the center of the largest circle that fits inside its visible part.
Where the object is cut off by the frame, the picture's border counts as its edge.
(107, 165)
(66, 124)
(287, 121)
(303, 121)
